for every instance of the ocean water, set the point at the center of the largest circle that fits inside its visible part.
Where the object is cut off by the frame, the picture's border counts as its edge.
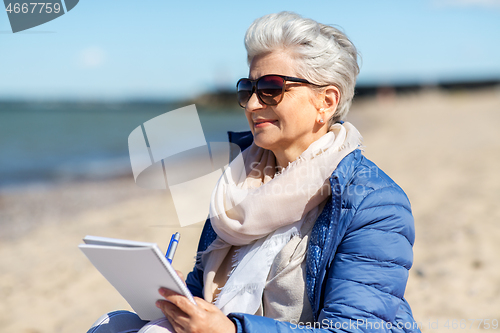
(47, 142)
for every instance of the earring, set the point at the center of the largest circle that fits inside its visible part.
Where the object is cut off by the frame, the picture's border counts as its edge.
(321, 121)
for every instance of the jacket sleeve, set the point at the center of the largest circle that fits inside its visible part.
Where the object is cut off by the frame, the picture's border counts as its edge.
(367, 279)
(365, 284)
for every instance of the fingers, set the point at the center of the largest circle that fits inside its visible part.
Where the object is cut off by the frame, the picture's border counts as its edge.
(180, 275)
(173, 314)
(187, 317)
(178, 300)
(179, 311)
(205, 305)
(169, 309)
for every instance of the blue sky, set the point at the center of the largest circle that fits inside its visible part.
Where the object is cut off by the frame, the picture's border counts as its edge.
(163, 49)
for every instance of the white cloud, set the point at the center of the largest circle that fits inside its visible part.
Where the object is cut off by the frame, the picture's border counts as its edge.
(92, 57)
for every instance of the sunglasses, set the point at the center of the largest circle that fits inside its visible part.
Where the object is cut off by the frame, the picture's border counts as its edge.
(269, 88)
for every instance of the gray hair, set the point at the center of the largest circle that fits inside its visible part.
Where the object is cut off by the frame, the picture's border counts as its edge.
(324, 55)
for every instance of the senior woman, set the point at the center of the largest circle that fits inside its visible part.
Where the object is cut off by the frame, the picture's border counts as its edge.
(319, 238)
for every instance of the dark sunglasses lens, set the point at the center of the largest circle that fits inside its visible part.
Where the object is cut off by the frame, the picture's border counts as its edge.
(270, 89)
(244, 90)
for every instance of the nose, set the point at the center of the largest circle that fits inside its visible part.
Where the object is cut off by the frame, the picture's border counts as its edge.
(254, 103)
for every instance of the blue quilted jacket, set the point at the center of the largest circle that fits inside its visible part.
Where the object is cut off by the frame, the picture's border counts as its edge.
(359, 254)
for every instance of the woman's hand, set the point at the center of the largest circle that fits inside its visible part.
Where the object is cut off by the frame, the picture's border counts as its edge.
(187, 317)
(181, 276)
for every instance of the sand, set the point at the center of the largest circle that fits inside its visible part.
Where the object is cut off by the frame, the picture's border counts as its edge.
(442, 148)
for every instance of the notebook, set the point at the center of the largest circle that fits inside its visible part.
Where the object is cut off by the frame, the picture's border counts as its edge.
(137, 270)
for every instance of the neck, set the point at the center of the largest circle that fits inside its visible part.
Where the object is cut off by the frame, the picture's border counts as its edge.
(283, 157)
(290, 153)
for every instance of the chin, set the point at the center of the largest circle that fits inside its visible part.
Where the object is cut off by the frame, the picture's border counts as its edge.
(264, 142)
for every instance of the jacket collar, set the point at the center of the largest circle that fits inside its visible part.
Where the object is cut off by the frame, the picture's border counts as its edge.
(345, 169)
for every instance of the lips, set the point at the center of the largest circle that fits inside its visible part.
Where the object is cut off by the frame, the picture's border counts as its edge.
(264, 122)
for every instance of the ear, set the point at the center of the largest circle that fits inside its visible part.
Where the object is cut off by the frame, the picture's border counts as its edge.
(330, 101)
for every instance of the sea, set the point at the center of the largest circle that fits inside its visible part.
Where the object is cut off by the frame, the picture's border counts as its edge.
(47, 142)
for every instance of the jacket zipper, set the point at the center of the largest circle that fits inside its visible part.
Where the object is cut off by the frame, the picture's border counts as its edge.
(326, 253)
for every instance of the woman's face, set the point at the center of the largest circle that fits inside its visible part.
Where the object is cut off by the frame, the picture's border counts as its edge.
(287, 129)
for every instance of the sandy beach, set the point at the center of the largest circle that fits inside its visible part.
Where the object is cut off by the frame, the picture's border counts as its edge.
(443, 149)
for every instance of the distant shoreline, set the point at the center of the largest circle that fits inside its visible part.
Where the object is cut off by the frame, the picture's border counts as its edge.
(224, 99)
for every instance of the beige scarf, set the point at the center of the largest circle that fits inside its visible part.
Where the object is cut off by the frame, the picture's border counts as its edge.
(260, 210)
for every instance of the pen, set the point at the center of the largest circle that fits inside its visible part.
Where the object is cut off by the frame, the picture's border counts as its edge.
(174, 241)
